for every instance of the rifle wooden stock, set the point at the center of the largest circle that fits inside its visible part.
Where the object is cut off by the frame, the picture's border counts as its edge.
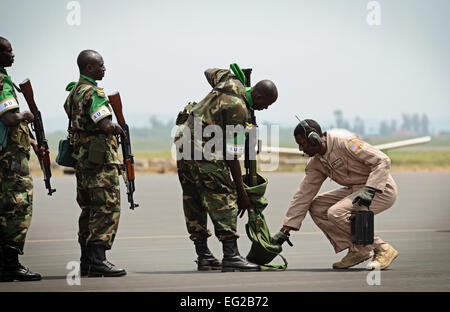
(27, 92)
(128, 159)
(130, 169)
(38, 128)
(116, 104)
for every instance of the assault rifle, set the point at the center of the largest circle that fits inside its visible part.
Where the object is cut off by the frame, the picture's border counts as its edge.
(128, 159)
(38, 128)
(251, 177)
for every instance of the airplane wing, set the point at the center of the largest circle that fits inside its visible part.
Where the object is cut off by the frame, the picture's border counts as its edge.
(403, 143)
(382, 147)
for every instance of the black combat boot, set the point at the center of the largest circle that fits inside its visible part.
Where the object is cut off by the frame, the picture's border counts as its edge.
(99, 266)
(233, 261)
(2, 277)
(205, 260)
(84, 261)
(13, 270)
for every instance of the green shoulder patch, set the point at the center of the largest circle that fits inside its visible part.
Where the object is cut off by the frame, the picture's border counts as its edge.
(70, 85)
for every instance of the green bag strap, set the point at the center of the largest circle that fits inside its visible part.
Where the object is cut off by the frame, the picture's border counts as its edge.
(237, 71)
(269, 266)
(275, 266)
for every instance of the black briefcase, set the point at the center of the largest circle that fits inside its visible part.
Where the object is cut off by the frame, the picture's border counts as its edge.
(362, 228)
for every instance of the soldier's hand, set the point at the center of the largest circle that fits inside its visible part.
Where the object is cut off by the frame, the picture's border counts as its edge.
(117, 130)
(243, 203)
(28, 116)
(40, 152)
(34, 144)
(281, 237)
(364, 197)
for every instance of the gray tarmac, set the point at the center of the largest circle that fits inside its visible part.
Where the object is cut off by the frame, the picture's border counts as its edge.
(153, 246)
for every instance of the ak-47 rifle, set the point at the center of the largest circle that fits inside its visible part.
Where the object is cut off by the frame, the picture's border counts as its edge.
(251, 177)
(128, 159)
(38, 128)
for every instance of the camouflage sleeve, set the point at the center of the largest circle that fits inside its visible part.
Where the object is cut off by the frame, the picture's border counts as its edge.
(99, 110)
(67, 102)
(7, 99)
(235, 117)
(215, 75)
(236, 111)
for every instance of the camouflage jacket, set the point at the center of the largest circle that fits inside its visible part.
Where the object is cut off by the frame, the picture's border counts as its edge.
(225, 105)
(18, 137)
(86, 106)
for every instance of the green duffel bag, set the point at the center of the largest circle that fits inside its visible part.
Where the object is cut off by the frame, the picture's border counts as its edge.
(262, 251)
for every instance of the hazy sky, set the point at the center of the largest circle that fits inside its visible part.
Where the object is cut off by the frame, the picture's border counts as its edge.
(322, 55)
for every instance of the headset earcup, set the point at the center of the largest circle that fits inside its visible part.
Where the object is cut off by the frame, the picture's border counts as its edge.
(314, 139)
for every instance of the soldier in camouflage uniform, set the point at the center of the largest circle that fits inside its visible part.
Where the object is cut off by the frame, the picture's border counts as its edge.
(93, 136)
(16, 194)
(206, 182)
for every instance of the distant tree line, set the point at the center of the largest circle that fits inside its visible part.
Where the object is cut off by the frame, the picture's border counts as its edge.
(413, 123)
(342, 123)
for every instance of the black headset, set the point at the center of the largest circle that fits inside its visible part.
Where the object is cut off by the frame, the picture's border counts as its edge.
(312, 136)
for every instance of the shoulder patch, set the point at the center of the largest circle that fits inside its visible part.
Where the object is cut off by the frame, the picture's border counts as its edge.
(70, 85)
(100, 92)
(354, 145)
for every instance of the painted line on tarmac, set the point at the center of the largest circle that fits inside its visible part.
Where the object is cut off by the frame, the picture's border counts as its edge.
(186, 236)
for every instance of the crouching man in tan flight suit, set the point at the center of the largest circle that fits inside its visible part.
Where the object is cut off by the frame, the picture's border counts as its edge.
(363, 171)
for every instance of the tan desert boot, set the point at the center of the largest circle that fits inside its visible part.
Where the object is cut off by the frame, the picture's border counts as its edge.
(384, 255)
(352, 258)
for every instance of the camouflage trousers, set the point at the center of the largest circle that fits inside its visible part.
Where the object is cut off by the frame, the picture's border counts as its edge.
(98, 195)
(208, 189)
(16, 201)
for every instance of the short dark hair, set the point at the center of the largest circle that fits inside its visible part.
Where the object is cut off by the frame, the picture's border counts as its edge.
(299, 130)
(85, 57)
(3, 42)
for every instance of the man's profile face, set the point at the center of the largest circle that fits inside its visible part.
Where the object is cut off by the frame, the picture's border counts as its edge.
(96, 68)
(304, 146)
(259, 103)
(6, 54)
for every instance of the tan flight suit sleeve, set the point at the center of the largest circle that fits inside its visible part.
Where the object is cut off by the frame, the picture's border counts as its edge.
(378, 162)
(303, 197)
